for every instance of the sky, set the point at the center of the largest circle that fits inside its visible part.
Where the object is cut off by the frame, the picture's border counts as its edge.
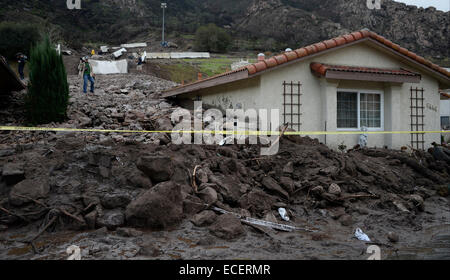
(443, 5)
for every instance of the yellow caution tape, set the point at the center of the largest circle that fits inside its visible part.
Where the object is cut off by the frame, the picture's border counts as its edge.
(50, 129)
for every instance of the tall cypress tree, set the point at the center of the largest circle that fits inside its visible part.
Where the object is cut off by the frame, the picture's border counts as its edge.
(48, 91)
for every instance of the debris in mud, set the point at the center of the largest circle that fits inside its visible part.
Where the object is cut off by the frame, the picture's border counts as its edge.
(120, 182)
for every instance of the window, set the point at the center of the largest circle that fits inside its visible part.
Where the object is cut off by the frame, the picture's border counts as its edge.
(445, 122)
(347, 112)
(357, 109)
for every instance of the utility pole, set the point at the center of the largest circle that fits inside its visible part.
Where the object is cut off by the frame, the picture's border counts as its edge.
(163, 6)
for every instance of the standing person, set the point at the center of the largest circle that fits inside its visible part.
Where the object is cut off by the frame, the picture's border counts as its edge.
(22, 59)
(139, 62)
(88, 74)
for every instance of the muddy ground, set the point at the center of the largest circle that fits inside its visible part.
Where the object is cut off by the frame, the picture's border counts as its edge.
(135, 196)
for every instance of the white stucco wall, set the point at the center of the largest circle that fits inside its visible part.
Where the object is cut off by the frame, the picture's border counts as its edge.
(445, 107)
(319, 107)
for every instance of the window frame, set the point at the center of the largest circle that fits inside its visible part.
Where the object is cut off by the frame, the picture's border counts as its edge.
(358, 97)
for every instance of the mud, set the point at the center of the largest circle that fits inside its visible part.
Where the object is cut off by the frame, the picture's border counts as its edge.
(78, 188)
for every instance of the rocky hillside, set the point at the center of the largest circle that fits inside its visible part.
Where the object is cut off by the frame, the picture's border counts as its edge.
(262, 24)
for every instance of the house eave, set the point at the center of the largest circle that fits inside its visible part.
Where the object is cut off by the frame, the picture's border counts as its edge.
(233, 77)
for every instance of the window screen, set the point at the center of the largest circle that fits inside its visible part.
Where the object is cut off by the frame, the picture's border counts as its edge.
(445, 122)
(347, 110)
(370, 108)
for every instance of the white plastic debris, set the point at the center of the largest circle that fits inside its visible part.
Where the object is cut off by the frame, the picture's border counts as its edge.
(119, 53)
(361, 235)
(283, 214)
(226, 140)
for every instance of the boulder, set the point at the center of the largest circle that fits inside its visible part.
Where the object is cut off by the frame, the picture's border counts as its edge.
(208, 195)
(157, 168)
(257, 202)
(227, 227)
(13, 173)
(137, 179)
(204, 218)
(159, 208)
(32, 188)
(192, 205)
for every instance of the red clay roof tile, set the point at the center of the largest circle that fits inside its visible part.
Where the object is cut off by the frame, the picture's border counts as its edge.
(251, 69)
(281, 59)
(271, 62)
(340, 41)
(291, 56)
(310, 49)
(357, 35)
(330, 44)
(301, 52)
(403, 51)
(260, 66)
(349, 38)
(321, 46)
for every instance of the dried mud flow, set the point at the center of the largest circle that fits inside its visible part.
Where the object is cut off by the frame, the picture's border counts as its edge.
(138, 196)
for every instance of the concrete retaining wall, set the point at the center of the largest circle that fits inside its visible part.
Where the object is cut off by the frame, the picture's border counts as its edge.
(178, 55)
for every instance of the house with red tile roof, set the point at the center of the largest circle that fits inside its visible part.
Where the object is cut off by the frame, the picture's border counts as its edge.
(353, 82)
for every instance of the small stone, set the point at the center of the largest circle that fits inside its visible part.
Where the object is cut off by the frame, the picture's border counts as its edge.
(201, 177)
(288, 168)
(112, 219)
(317, 190)
(417, 201)
(346, 220)
(393, 237)
(334, 189)
(149, 249)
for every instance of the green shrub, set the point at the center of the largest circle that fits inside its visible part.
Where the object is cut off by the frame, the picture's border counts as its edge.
(48, 92)
(15, 38)
(212, 39)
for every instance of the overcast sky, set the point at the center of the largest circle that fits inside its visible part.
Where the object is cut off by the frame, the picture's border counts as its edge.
(443, 5)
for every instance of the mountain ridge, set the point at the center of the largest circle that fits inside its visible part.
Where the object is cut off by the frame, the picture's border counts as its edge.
(268, 24)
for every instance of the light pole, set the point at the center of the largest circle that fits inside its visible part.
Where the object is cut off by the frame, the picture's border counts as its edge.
(163, 6)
